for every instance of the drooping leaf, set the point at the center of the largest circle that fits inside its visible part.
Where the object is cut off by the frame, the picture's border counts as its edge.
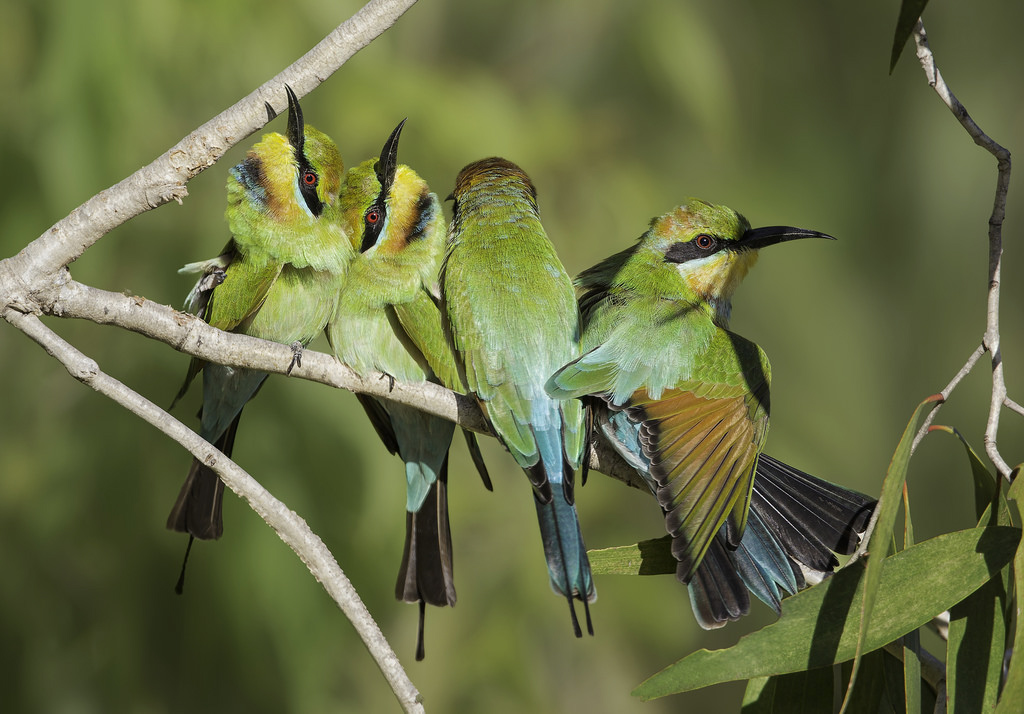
(912, 671)
(888, 507)
(912, 640)
(986, 485)
(1012, 696)
(820, 626)
(807, 692)
(977, 639)
(759, 696)
(872, 693)
(977, 626)
(910, 11)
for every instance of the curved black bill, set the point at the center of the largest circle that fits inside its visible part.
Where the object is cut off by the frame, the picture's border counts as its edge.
(296, 127)
(757, 238)
(387, 165)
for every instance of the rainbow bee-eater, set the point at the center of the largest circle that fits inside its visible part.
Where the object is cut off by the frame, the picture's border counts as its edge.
(511, 318)
(686, 403)
(278, 279)
(387, 320)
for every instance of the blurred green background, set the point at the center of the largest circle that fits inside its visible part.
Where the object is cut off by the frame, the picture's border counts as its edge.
(618, 111)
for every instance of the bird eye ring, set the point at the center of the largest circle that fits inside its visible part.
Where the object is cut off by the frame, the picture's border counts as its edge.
(309, 178)
(704, 241)
(372, 216)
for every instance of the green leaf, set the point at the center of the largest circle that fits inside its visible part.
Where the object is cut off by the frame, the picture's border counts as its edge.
(759, 696)
(820, 626)
(888, 506)
(871, 695)
(1012, 695)
(649, 557)
(910, 11)
(807, 692)
(977, 626)
(977, 639)
(986, 484)
(912, 671)
(911, 641)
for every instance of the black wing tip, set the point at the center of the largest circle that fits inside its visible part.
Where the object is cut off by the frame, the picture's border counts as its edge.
(718, 594)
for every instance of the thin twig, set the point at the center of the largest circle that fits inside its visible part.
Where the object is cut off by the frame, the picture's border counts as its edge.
(289, 526)
(959, 377)
(1013, 406)
(990, 342)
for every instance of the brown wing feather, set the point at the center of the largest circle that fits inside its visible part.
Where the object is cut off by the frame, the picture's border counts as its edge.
(703, 451)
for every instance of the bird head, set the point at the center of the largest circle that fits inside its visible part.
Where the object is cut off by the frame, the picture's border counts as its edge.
(701, 252)
(390, 213)
(290, 178)
(490, 186)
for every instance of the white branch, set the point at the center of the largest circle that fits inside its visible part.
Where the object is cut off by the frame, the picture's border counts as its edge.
(31, 282)
(164, 179)
(990, 341)
(291, 528)
(189, 334)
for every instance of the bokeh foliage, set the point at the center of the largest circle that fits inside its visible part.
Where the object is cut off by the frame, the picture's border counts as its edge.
(618, 111)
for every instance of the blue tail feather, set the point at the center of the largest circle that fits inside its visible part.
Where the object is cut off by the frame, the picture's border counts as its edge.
(559, 525)
(423, 441)
(568, 565)
(795, 519)
(763, 564)
(718, 590)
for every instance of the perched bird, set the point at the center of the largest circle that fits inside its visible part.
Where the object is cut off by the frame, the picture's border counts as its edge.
(278, 278)
(686, 402)
(387, 320)
(511, 318)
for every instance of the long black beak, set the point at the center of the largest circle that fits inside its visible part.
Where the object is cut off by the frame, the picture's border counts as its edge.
(757, 238)
(387, 165)
(296, 127)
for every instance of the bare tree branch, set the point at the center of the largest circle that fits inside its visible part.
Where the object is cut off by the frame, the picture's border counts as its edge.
(979, 351)
(1014, 406)
(990, 341)
(164, 179)
(31, 281)
(291, 528)
(189, 334)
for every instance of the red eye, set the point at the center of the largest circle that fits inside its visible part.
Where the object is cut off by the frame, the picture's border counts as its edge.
(309, 178)
(372, 216)
(704, 241)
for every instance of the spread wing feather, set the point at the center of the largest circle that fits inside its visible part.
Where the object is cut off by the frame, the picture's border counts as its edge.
(702, 452)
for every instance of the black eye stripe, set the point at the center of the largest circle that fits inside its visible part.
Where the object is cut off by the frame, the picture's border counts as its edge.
(371, 230)
(685, 251)
(308, 190)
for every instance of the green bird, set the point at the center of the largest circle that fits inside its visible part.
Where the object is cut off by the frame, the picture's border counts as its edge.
(387, 320)
(511, 318)
(685, 401)
(278, 278)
